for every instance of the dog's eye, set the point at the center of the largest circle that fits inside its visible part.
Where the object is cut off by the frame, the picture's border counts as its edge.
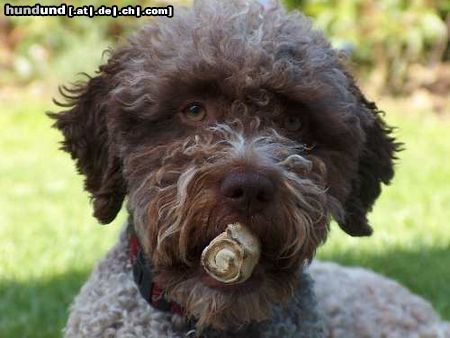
(292, 123)
(194, 112)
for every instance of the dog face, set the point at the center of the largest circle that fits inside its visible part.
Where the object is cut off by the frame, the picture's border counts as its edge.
(227, 113)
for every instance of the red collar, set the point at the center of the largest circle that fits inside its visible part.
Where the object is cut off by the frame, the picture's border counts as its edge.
(152, 292)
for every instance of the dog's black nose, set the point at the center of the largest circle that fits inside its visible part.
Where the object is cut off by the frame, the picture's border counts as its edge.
(247, 190)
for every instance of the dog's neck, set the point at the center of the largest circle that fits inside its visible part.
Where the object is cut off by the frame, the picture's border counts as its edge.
(151, 291)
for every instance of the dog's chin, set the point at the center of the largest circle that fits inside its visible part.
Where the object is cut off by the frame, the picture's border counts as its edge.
(226, 306)
(230, 306)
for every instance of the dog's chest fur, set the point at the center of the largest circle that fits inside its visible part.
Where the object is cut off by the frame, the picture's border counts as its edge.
(109, 305)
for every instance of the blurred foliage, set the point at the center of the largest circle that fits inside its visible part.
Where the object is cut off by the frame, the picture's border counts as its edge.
(384, 37)
(41, 47)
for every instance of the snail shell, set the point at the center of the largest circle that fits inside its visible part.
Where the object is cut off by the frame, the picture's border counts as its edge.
(231, 257)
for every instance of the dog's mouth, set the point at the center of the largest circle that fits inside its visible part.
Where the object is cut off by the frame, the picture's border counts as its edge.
(229, 261)
(235, 261)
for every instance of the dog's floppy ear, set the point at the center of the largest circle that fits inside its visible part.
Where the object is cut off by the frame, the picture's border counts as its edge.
(86, 138)
(375, 166)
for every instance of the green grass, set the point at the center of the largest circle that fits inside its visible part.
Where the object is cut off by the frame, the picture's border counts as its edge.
(49, 241)
(411, 240)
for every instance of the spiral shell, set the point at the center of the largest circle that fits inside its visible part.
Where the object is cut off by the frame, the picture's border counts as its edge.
(231, 257)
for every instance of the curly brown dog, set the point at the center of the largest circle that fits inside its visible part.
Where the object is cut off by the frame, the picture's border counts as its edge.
(228, 113)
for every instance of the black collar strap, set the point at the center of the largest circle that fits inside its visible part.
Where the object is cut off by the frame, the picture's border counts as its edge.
(152, 292)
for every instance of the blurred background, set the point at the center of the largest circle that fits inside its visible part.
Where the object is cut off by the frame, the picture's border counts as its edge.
(49, 242)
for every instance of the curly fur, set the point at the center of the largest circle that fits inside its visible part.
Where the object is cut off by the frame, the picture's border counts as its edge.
(371, 305)
(109, 305)
(252, 70)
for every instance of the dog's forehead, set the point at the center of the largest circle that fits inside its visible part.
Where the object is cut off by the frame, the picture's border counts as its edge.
(238, 45)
